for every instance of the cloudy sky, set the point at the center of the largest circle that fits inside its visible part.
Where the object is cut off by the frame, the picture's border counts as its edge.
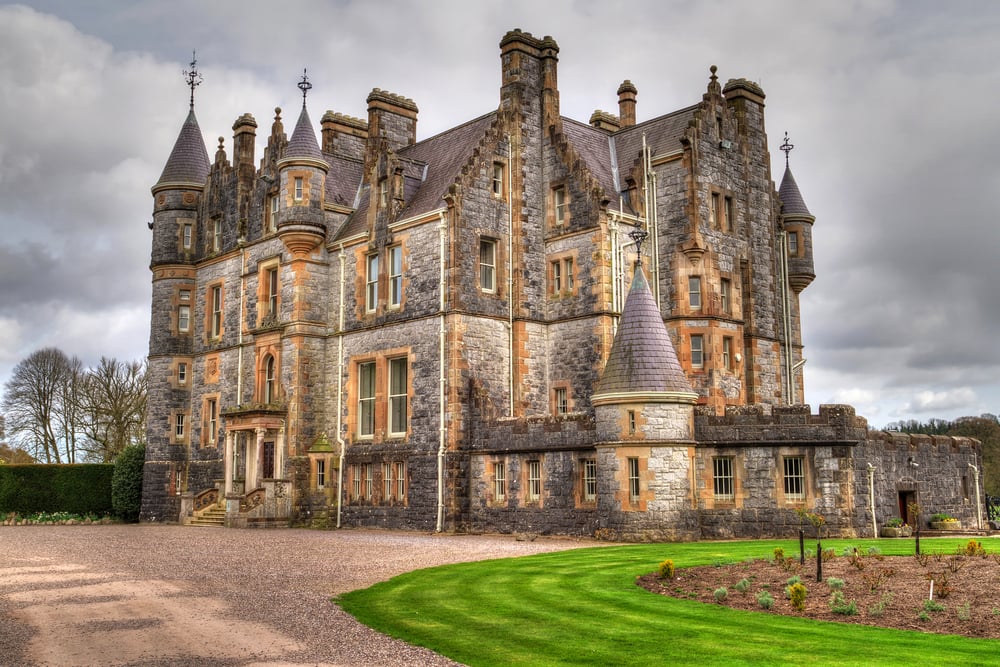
(891, 106)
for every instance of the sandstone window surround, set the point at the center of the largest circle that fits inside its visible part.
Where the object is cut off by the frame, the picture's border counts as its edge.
(633, 479)
(179, 430)
(271, 214)
(697, 351)
(588, 470)
(723, 479)
(694, 292)
(320, 473)
(794, 485)
(268, 292)
(488, 265)
(728, 215)
(726, 295)
(210, 421)
(727, 353)
(382, 392)
(214, 302)
(395, 256)
(561, 398)
(562, 275)
(499, 481)
(533, 488)
(498, 185)
(366, 399)
(371, 282)
(559, 206)
(714, 210)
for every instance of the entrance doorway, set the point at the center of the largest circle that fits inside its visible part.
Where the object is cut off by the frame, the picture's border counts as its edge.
(906, 500)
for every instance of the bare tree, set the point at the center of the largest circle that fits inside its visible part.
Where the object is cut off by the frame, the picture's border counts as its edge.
(113, 408)
(35, 404)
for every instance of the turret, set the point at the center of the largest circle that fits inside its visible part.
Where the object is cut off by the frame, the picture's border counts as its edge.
(797, 223)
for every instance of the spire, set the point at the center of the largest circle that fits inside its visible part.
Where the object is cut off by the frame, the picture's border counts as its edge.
(303, 144)
(188, 161)
(791, 199)
(642, 359)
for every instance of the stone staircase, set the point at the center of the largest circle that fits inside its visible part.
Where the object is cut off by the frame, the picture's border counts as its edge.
(210, 516)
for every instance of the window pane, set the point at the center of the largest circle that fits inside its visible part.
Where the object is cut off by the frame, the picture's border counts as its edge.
(697, 351)
(794, 479)
(400, 480)
(633, 478)
(723, 478)
(589, 479)
(395, 275)
(487, 265)
(499, 481)
(366, 399)
(397, 396)
(694, 292)
(371, 280)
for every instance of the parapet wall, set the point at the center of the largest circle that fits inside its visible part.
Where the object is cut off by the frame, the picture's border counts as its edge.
(766, 425)
(571, 431)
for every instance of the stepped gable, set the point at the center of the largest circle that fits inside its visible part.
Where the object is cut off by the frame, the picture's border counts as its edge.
(791, 199)
(303, 143)
(188, 162)
(642, 358)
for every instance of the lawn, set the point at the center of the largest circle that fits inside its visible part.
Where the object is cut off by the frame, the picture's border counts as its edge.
(582, 607)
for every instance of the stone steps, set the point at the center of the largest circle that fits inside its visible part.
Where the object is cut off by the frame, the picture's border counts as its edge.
(212, 516)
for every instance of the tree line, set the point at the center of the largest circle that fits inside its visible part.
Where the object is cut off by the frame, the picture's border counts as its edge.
(57, 411)
(985, 427)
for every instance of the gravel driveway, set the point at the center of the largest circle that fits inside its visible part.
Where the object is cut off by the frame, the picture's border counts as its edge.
(173, 595)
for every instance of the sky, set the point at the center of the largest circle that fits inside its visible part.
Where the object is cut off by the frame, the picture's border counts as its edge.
(890, 105)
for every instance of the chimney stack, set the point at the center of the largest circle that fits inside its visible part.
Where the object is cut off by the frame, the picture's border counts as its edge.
(626, 103)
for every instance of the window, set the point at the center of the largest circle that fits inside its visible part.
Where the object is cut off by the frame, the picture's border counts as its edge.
(216, 234)
(395, 276)
(563, 280)
(729, 215)
(498, 180)
(182, 372)
(397, 396)
(725, 295)
(366, 399)
(722, 478)
(400, 480)
(216, 327)
(356, 481)
(270, 380)
(271, 276)
(793, 244)
(727, 353)
(631, 422)
(556, 277)
(186, 232)
(568, 270)
(487, 265)
(561, 400)
(383, 192)
(713, 211)
(298, 188)
(272, 214)
(371, 283)
(795, 487)
(183, 319)
(534, 480)
(559, 204)
(499, 481)
(697, 351)
(320, 473)
(694, 292)
(589, 479)
(387, 487)
(179, 426)
(633, 479)
(369, 481)
(212, 421)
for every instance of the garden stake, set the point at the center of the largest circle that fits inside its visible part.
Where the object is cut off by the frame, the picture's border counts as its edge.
(802, 547)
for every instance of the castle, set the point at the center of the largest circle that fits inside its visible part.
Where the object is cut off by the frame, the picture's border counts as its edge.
(523, 324)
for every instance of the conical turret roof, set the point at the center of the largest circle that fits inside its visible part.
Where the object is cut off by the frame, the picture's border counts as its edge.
(791, 199)
(188, 162)
(642, 359)
(303, 143)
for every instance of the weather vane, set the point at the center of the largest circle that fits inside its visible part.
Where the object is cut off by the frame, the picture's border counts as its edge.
(638, 235)
(787, 147)
(304, 86)
(193, 77)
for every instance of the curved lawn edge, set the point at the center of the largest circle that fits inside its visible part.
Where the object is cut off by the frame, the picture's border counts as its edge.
(582, 606)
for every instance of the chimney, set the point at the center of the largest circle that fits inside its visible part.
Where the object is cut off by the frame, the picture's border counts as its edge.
(344, 134)
(626, 103)
(392, 118)
(529, 75)
(602, 120)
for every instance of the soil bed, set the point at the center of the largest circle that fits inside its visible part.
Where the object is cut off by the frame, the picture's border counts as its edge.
(887, 591)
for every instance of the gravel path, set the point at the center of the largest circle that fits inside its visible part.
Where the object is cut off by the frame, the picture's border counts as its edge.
(173, 595)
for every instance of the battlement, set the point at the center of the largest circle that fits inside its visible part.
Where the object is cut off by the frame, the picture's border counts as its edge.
(762, 424)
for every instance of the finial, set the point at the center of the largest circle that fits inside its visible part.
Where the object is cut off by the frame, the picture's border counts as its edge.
(304, 86)
(713, 69)
(638, 235)
(193, 77)
(787, 147)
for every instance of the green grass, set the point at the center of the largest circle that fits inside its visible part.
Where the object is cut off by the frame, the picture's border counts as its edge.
(582, 607)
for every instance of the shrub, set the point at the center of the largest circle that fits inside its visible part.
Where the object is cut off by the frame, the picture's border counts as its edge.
(667, 569)
(941, 516)
(964, 614)
(879, 607)
(895, 522)
(765, 600)
(797, 594)
(839, 606)
(834, 583)
(76, 488)
(743, 585)
(973, 548)
(126, 483)
(931, 605)
(779, 555)
(721, 593)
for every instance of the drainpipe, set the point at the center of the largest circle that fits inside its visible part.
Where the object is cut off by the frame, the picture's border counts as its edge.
(239, 342)
(786, 318)
(442, 329)
(340, 390)
(651, 217)
(510, 276)
(979, 504)
(871, 496)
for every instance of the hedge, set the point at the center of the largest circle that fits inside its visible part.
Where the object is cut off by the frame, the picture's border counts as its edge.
(82, 488)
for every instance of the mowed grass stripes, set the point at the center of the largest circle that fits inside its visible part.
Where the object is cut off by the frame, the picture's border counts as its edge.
(582, 607)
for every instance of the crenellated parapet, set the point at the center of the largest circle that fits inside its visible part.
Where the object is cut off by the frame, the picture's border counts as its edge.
(794, 424)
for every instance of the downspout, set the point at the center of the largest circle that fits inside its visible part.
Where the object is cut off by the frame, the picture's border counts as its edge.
(510, 276)
(786, 317)
(239, 334)
(340, 390)
(442, 329)
(871, 496)
(650, 180)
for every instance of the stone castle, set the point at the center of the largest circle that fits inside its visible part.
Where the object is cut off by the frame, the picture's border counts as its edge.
(523, 324)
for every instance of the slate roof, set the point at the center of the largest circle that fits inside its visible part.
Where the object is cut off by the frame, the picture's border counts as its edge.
(791, 199)
(663, 136)
(642, 359)
(188, 161)
(342, 179)
(303, 143)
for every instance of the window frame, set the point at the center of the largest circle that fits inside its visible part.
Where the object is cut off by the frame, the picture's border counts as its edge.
(215, 316)
(180, 427)
(714, 210)
(694, 293)
(697, 350)
(273, 206)
(498, 180)
(560, 204)
(589, 480)
(216, 234)
(634, 486)
(793, 243)
(270, 384)
(371, 282)
(723, 479)
(401, 481)
(533, 488)
(183, 319)
(369, 489)
(356, 481)
(273, 287)
(387, 485)
(366, 399)
(299, 189)
(726, 295)
(794, 478)
(727, 352)
(499, 481)
(397, 396)
(182, 372)
(560, 400)
(728, 213)
(212, 421)
(395, 269)
(488, 269)
(187, 236)
(320, 473)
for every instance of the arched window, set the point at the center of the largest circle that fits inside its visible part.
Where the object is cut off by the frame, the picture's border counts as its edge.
(270, 386)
